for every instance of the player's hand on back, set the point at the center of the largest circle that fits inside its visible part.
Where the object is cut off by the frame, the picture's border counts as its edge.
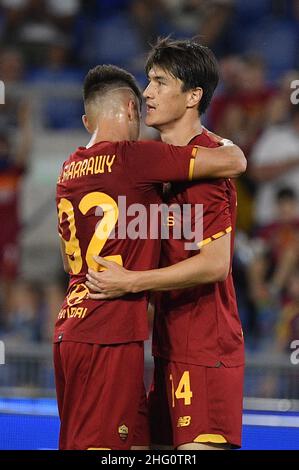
(217, 138)
(112, 282)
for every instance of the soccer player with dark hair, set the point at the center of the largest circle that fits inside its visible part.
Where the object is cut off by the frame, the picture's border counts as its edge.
(197, 340)
(98, 350)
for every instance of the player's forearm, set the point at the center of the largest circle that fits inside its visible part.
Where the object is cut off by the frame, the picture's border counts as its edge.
(187, 273)
(227, 161)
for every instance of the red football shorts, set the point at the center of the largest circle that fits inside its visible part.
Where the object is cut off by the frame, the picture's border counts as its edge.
(190, 403)
(101, 396)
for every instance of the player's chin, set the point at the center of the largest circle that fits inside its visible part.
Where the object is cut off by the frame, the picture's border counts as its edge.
(150, 121)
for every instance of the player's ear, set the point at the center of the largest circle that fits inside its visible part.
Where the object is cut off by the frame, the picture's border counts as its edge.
(194, 97)
(132, 110)
(86, 123)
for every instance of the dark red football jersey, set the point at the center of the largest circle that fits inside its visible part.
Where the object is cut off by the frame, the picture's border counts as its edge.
(200, 325)
(104, 197)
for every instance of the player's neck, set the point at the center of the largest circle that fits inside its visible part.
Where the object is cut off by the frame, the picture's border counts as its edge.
(180, 133)
(110, 135)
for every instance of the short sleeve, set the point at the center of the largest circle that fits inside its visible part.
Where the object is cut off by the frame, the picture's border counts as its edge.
(218, 200)
(155, 162)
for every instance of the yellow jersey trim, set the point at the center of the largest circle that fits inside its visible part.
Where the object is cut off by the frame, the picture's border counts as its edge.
(192, 162)
(215, 438)
(214, 237)
(191, 168)
(194, 151)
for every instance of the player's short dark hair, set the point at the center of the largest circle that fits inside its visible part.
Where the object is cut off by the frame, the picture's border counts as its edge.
(103, 78)
(189, 61)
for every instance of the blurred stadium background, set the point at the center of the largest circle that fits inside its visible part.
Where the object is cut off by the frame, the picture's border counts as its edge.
(46, 47)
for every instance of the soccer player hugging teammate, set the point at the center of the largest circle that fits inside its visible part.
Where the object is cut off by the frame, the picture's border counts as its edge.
(98, 345)
(196, 397)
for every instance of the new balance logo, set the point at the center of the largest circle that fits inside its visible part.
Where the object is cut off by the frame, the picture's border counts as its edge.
(184, 421)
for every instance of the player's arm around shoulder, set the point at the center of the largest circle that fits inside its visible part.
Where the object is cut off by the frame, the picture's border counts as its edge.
(225, 161)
